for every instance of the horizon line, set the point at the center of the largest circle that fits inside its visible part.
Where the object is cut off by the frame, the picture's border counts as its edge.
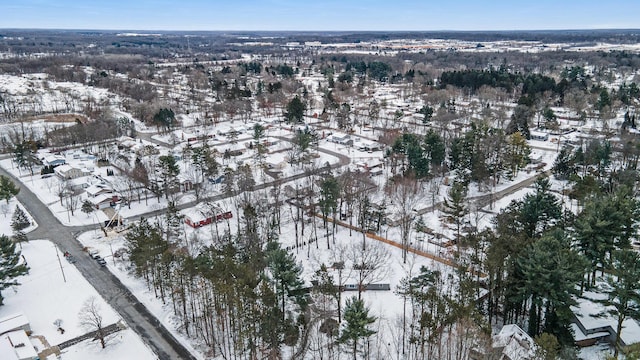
(318, 30)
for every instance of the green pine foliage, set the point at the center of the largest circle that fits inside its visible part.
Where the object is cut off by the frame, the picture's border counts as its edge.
(7, 189)
(623, 290)
(11, 265)
(357, 322)
(87, 207)
(19, 220)
(295, 110)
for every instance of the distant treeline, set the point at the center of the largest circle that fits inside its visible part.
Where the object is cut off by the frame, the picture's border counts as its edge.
(474, 79)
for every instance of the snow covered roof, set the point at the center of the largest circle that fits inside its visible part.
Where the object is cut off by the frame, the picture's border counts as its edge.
(586, 312)
(13, 322)
(194, 214)
(515, 342)
(16, 345)
(101, 198)
(97, 189)
(65, 168)
(6, 350)
(578, 335)
(54, 159)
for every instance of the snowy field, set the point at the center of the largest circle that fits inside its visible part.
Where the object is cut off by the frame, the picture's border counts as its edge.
(44, 297)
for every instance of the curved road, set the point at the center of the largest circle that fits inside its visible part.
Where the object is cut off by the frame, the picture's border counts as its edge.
(109, 286)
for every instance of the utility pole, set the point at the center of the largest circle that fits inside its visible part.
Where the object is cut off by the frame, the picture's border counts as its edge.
(60, 263)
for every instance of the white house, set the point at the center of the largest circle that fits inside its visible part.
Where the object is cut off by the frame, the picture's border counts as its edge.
(68, 172)
(103, 201)
(341, 139)
(14, 322)
(98, 189)
(54, 160)
(540, 136)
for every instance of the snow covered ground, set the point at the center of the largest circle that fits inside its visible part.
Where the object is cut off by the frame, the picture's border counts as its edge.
(44, 296)
(6, 212)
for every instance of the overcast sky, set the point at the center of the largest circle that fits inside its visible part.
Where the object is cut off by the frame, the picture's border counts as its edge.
(320, 14)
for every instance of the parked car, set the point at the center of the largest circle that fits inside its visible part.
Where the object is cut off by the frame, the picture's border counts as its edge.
(95, 254)
(102, 262)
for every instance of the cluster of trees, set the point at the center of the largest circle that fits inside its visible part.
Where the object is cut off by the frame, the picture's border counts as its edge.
(531, 84)
(482, 154)
(244, 295)
(421, 154)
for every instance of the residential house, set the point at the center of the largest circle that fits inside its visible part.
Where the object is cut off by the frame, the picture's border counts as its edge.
(98, 189)
(14, 322)
(16, 345)
(540, 136)
(592, 323)
(103, 201)
(53, 160)
(341, 139)
(198, 217)
(68, 172)
(513, 343)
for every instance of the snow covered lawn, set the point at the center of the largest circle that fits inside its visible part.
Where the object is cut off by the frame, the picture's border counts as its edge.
(6, 212)
(44, 297)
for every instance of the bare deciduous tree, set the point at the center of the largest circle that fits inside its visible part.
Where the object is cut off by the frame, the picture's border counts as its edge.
(405, 193)
(90, 318)
(370, 265)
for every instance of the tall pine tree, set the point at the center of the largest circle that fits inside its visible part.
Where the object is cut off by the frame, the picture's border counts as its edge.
(10, 265)
(19, 220)
(356, 316)
(623, 299)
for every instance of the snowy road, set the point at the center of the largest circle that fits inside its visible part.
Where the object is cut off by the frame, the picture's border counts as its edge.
(117, 295)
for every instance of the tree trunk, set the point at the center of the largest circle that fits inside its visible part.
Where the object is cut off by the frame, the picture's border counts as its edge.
(616, 345)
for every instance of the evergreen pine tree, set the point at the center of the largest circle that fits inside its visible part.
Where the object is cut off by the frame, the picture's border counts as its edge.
(10, 265)
(285, 274)
(7, 189)
(19, 220)
(87, 207)
(356, 316)
(623, 300)
(455, 207)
